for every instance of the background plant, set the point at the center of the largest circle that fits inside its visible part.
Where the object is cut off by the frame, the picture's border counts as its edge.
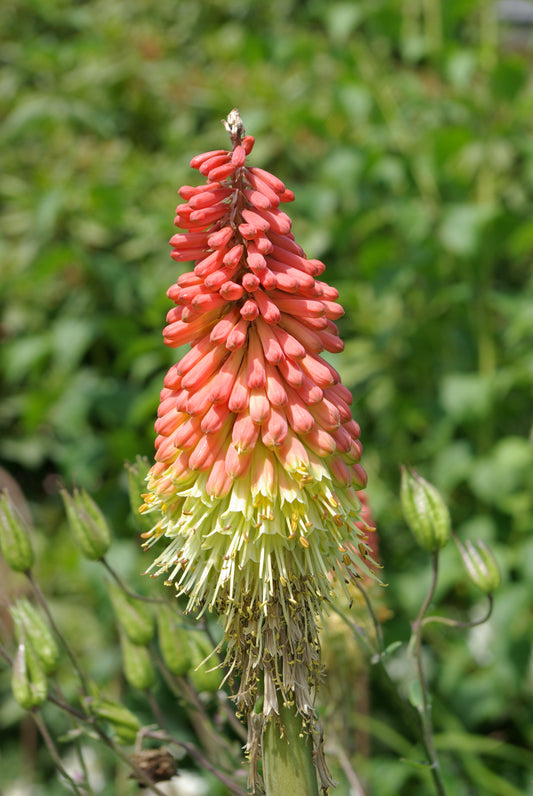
(407, 126)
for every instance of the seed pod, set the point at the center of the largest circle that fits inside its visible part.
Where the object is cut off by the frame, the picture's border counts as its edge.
(87, 523)
(137, 472)
(205, 674)
(173, 642)
(15, 541)
(481, 565)
(30, 624)
(424, 511)
(138, 668)
(132, 615)
(125, 724)
(28, 679)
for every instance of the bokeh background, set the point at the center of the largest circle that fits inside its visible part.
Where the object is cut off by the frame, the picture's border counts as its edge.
(405, 129)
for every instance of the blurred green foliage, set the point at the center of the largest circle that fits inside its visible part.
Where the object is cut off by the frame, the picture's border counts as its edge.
(405, 129)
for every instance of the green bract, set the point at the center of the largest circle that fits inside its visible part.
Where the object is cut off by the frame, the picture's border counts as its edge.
(15, 542)
(134, 618)
(30, 624)
(87, 523)
(481, 565)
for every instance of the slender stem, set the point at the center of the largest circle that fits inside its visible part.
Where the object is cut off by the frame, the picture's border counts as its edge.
(128, 591)
(287, 759)
(43, 729)
(377, 626)
(425, 710)
(42, 601)
(443, 620)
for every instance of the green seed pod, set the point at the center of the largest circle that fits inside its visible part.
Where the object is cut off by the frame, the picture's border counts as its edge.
(481, 565)
(125, 724)
(87, 523)
(28, 680)
(424, 511)
(137, 472)
(15, 539)
(138, 668)
(132, 615)
(30, 624)
(173, 642)
(205, 674)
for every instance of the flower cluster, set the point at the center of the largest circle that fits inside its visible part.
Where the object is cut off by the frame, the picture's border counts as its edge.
(258, 456)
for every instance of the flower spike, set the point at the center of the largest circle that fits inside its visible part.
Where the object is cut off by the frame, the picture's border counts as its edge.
(258, 458)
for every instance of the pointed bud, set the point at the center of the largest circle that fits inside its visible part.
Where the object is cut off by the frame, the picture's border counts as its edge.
(173, 642)
(29, 624)
(132, 615)
(205, 674)
(125, 724)
(424, 511)
(15, 541)
(28, 680)
(481, 565)
(138, 669)
(87, 523)
(137, 472)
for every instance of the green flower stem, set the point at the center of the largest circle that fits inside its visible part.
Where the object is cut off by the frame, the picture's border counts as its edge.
(44, 605)
(425, 709)
(118, 580)
(84, 786)
(443, 620)
(287, 760)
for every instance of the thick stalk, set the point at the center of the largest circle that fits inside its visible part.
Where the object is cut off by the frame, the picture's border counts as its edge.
(288, 767)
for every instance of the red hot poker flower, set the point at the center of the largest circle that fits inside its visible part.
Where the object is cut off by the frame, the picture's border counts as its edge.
(258, 457)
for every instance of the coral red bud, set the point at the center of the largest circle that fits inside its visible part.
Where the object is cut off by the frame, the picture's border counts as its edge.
(197, 161)
(208, 198)
(273, 182)
(234, 255)
(238, 156)
(275, 429)
(212, 163)
(221, 330)
(275, 390)
(225, 378)
(220, 238)
(250, 310)
(240, 395)
(257, 199)
(259, 406)
(272, 349)
(291, 372)
(267, 308)
(256, 261)
(245, 433)
(231, 291)
(248, 143)
(248, 231)
(250, 283)
(237, 336)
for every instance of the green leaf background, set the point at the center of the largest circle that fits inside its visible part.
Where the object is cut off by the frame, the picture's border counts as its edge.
(404, 129)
